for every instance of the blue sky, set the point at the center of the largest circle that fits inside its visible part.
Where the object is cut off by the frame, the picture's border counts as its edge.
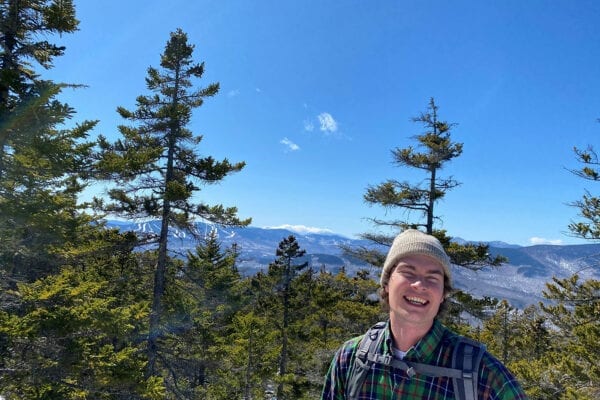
(315, 95)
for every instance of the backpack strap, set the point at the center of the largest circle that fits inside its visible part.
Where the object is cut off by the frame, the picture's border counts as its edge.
(466, 357)
(362, 363)
(414, 368)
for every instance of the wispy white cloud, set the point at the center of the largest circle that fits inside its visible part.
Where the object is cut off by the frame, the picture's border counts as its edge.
(233, 93)
(328, 124)
(291, 146)
(301, 229)
(308, 125)
(257, 90)
(538, 240)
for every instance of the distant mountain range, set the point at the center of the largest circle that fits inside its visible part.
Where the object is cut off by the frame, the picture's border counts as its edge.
(521, 281)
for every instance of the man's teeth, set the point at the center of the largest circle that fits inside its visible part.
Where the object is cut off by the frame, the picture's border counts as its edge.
(416, 300)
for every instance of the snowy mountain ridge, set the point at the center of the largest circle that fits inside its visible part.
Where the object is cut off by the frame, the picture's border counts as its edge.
(521, 281)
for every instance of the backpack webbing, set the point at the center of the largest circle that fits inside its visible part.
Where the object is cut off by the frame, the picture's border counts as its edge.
(466, 358)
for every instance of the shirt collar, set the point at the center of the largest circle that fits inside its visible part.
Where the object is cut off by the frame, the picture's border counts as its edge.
(423, 350)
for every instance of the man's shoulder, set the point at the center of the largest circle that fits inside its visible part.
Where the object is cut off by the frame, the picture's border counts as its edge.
(351, 346)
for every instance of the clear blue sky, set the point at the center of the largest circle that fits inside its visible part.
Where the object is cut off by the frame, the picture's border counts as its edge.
(315, 94)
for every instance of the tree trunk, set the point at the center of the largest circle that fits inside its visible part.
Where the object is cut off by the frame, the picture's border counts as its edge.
(284, 331)
(154, 331)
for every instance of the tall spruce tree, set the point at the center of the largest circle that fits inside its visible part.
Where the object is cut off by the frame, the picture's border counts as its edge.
(41, 162)
(156, 168)
(279, 295)
(437, 149)
(284, 270)
(434, 150)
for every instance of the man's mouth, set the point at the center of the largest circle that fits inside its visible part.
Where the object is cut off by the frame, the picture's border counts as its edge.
(417, 301)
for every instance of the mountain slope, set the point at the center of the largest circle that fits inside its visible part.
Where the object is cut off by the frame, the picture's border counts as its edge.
(521, 281)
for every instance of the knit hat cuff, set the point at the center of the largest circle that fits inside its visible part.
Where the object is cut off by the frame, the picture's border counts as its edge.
(412, 242)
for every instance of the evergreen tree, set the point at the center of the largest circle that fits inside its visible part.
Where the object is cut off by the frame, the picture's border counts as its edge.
(529, 348)
(156, 169)
(281, 296)
(438, 149)
(202, 295)
(324, 320)
(589, 205)
(499, 330)
(243, 358)
(283, 272)
(463, 304)
(25, 26)
(41, 163)
(339, 307)
(566, 366)
(575, 310)
(76, 333)
(558, 345)
(435, 149)
(213, 277)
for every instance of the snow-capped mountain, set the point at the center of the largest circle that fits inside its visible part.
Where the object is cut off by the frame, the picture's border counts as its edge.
(521, 281)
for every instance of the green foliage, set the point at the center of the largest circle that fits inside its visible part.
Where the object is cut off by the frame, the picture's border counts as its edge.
(284, 278)
(154, 165)
(470, 255)
(589, 204)
(245, 358)
(202, 295)
(436, 150)
(291, 322)
(157, 172)
(461, 304)
(576, 311)
(77, 334)
(42, 164)
(26, 26)
(552, 348)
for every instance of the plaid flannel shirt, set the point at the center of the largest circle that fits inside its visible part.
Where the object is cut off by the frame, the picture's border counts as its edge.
(435, 348)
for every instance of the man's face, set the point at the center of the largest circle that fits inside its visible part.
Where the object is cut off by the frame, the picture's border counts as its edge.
(416, 290)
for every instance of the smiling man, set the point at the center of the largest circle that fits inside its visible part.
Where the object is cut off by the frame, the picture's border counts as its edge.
(410, 356)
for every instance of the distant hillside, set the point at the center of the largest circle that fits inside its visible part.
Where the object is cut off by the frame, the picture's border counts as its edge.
(521, 281)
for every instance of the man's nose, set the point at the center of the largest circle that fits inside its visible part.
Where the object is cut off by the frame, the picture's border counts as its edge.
(418, 283)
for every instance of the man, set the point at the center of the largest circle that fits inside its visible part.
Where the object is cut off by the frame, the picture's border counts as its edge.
(414, 283)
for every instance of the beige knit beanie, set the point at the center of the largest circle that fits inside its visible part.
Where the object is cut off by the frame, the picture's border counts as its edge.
(412, 241)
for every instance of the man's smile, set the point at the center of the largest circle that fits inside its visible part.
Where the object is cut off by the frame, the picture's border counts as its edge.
(416, 300)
